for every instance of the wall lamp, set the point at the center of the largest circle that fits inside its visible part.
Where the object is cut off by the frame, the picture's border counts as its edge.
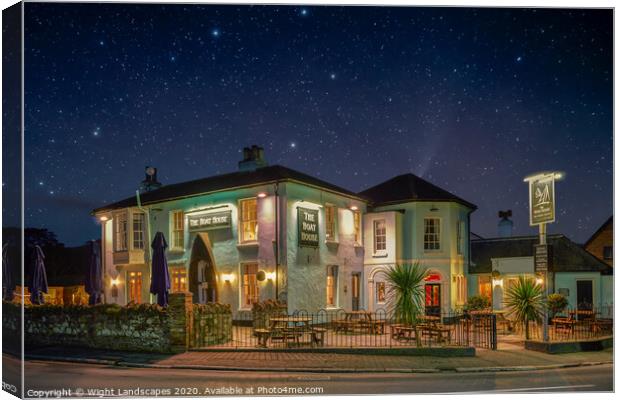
(103, 218)
(270, 276)
(498, 282)
(228, 277)
(353, 208)
(261, 195)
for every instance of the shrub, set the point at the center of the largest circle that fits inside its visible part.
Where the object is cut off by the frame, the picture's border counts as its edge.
(477, 303)
(556, 303)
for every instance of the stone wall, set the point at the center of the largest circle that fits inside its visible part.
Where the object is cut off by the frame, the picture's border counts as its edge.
(143, 327)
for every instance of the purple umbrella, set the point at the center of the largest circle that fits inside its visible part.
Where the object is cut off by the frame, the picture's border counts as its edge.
(93, 284)
(38, 277)
(8, 284)
(160, 278)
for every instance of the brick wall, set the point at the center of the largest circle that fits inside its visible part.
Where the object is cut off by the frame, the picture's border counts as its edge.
(604, 238)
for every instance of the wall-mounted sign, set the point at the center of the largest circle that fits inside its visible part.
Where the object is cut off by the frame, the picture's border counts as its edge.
(308, 227)
(204, 222)
(542, 199)
(543, 257)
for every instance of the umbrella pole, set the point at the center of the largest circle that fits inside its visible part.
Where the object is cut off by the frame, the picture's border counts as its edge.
(147, 247)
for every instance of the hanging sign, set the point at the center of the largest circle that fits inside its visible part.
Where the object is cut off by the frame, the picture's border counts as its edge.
(308, 227)
(542, 199)
(542, 257)
(205, 222)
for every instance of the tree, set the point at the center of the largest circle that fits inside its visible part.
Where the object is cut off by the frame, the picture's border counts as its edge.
(525, 302)
(405, 293)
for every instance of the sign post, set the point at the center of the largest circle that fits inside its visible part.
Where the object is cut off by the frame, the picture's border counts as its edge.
(542, 212)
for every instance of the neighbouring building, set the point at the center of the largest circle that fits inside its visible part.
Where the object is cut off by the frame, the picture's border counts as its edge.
(601, 243)
(267, 232)
(497, 263)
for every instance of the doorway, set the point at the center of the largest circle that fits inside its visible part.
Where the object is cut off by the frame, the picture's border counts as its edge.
(355, 291)
(202, 271)
(584, 295)
(432, 299)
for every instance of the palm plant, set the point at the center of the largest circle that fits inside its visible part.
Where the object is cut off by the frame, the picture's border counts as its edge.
(525, 302)
(405, 293)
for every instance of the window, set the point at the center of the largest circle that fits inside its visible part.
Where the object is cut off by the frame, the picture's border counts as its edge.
(179, 279)
(431, 234)
(379, 236)
(120, 232)
(138, 230)
(250, 285)
(509, 284)
(459, 237)
(357, 226)
(461, 289)
(608, 252)
(135, 287)
(332, 285)
(330, 222)
(380, 292)
(177, 220)
(248, 223)
(484, 286)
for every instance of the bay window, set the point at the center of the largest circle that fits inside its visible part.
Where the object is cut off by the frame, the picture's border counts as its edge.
(120, 232)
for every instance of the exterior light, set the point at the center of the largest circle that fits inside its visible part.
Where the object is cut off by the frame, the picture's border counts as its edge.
(353, 208)
(270, 276)
(114, 282)
(540, 280)
(262, 195)
(498, 282)
(228, 278)
(103, 218)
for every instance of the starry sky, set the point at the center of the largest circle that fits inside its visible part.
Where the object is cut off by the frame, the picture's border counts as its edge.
(472, 100)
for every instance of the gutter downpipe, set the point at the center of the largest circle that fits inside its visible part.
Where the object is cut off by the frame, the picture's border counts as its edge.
(147, 250)
(277, 235)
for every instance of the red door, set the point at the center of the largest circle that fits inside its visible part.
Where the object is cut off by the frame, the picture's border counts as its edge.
(432, 301)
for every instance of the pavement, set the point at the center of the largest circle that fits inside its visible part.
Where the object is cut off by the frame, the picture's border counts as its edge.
(509, 357)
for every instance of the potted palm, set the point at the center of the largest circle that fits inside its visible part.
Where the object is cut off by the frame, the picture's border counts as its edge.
(525, 302)
(405, 295)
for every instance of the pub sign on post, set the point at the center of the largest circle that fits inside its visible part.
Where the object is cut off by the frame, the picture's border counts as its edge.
(308, 227)
(542, 199)
(543, 254)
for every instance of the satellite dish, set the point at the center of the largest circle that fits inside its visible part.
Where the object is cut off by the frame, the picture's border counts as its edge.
(150, 171)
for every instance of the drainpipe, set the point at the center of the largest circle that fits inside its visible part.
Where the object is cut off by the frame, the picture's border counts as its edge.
(147, 245)
(277, 237)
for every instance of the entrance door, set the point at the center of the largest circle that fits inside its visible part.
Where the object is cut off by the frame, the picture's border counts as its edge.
(584, 295)
(355, 292)
(432, 301)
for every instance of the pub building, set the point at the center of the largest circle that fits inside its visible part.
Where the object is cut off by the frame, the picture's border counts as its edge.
(269, 232)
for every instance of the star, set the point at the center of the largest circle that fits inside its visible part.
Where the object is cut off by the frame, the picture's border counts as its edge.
(332, 76)
(519, 59)
(215, 32)
(303, 12)
(293, 145)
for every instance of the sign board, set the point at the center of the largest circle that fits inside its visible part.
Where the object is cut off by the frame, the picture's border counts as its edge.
(543, 257)
(542, 199)
(308, 227)
(204, 222)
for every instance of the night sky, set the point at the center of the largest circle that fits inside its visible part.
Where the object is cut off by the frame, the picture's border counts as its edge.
(472, 100)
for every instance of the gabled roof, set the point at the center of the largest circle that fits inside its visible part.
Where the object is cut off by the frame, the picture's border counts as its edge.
(567, 255)
(260, 176)
(606, 224)
(409, 187)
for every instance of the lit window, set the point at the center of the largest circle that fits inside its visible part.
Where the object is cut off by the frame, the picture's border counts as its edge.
(459, 237)
(248, 226)
(179, 279)
(331, 285)
(330, 222)
(484, 286)
(177, 220)
(461, 289)
(380, 292)
(250, 284)
(138, 230)
(431, 234)
(379, 235)
(608, 252)
(135, 287)
(120, 232)
(357, 226)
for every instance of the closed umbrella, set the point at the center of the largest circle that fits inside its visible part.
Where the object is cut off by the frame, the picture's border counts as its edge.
(8, 284)
(93, 284)
(38, 277)
(160, 278)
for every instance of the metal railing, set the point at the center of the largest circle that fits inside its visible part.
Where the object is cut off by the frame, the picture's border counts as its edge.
(359, 329)
(574, 324)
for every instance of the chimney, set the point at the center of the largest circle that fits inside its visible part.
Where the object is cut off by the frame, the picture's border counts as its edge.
(253, 158)
(504, 227)
(150, 181)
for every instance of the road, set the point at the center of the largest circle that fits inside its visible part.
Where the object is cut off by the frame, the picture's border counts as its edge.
(83, 378)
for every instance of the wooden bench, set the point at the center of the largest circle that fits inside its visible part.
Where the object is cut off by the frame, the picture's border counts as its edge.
(318, 336)
(436, 330)
(263, 336)
(403, 332)
(563, 324)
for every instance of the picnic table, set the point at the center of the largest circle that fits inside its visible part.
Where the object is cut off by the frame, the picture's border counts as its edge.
(428, 325)
(290, 329)
(362, 320)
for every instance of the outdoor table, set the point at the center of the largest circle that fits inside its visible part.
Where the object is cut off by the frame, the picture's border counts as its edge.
(281, 326)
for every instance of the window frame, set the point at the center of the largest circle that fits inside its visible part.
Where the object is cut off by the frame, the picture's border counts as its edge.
(174, 244)
(118, 217)
(141, 232)
(182, 286)
(375, 248)
(357, 227)
(331, 271)
(240, 221)
(242, 284)
(489, 283)
(460, 224)
(437, 234)
(609, 256)
(130, 286)
(379, 300)
(334, 223)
